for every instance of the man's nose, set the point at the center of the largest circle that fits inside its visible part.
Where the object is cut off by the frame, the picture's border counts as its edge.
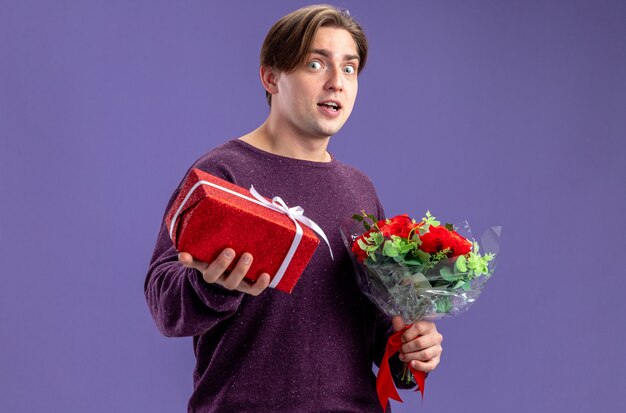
(335, 80)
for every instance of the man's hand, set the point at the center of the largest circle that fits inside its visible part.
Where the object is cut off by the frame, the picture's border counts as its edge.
(421, 344)
(215, 272)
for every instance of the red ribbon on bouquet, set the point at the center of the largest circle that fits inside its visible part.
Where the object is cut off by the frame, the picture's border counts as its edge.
(385, 386)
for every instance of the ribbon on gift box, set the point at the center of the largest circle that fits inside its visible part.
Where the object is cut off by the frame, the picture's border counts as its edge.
(277, 204)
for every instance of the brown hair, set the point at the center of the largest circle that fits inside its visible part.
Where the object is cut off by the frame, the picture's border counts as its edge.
(288, 41)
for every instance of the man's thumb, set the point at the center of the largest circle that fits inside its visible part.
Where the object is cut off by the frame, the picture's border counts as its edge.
(397, 323)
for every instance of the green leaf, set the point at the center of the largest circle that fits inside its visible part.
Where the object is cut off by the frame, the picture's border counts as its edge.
(473, 262)
(443, 304)
(378, 238)
(362, 244)
(476, 248)
(461, 264)
(357, 217)
(404, 248)
(449, 227)
(423, 256)
(389, 249)
(420, 281)
(430, 220)
(448, 275)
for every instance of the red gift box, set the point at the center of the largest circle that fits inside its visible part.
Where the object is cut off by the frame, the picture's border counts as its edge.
(210, 214)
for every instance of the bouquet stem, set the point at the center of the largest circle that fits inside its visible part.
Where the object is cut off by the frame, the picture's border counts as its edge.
(406, 374)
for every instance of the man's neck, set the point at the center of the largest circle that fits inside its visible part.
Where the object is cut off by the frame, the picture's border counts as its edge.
(267, 138)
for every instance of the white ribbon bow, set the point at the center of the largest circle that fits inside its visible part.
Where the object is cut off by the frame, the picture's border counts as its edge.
(295, 214)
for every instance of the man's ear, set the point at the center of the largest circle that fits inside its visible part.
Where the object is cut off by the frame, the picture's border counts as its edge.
(269, 79)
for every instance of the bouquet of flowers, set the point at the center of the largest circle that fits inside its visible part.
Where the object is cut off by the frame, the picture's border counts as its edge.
(418, 270)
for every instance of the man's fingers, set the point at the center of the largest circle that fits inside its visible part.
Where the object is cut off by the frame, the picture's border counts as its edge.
(422, 344)
(215, 272)
(187, 260)
(236, 276)
(427, 366)
(433, 339)
(418, 328)
(215, 269)
(425, 354)
(257, 287)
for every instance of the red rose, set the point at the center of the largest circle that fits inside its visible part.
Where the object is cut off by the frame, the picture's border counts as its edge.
(460, 244)
(436, 239)
(439, 238)
(356, 249)
(400, 225)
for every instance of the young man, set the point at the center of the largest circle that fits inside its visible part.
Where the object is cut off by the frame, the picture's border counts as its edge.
(261, 350)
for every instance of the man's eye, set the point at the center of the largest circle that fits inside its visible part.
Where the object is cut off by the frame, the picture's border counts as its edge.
(349, 70)
(315, 65)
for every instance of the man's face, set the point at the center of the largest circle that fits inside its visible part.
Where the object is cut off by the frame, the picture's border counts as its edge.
(316, 99)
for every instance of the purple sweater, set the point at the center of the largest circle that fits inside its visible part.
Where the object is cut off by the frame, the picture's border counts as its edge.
(309, 351)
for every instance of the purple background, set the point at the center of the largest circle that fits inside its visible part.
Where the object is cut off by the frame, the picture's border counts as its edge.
(498, 112)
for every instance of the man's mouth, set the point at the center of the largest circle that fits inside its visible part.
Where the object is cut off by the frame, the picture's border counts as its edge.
(333, 106)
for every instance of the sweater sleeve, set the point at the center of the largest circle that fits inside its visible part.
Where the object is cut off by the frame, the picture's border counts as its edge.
(180, 301)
